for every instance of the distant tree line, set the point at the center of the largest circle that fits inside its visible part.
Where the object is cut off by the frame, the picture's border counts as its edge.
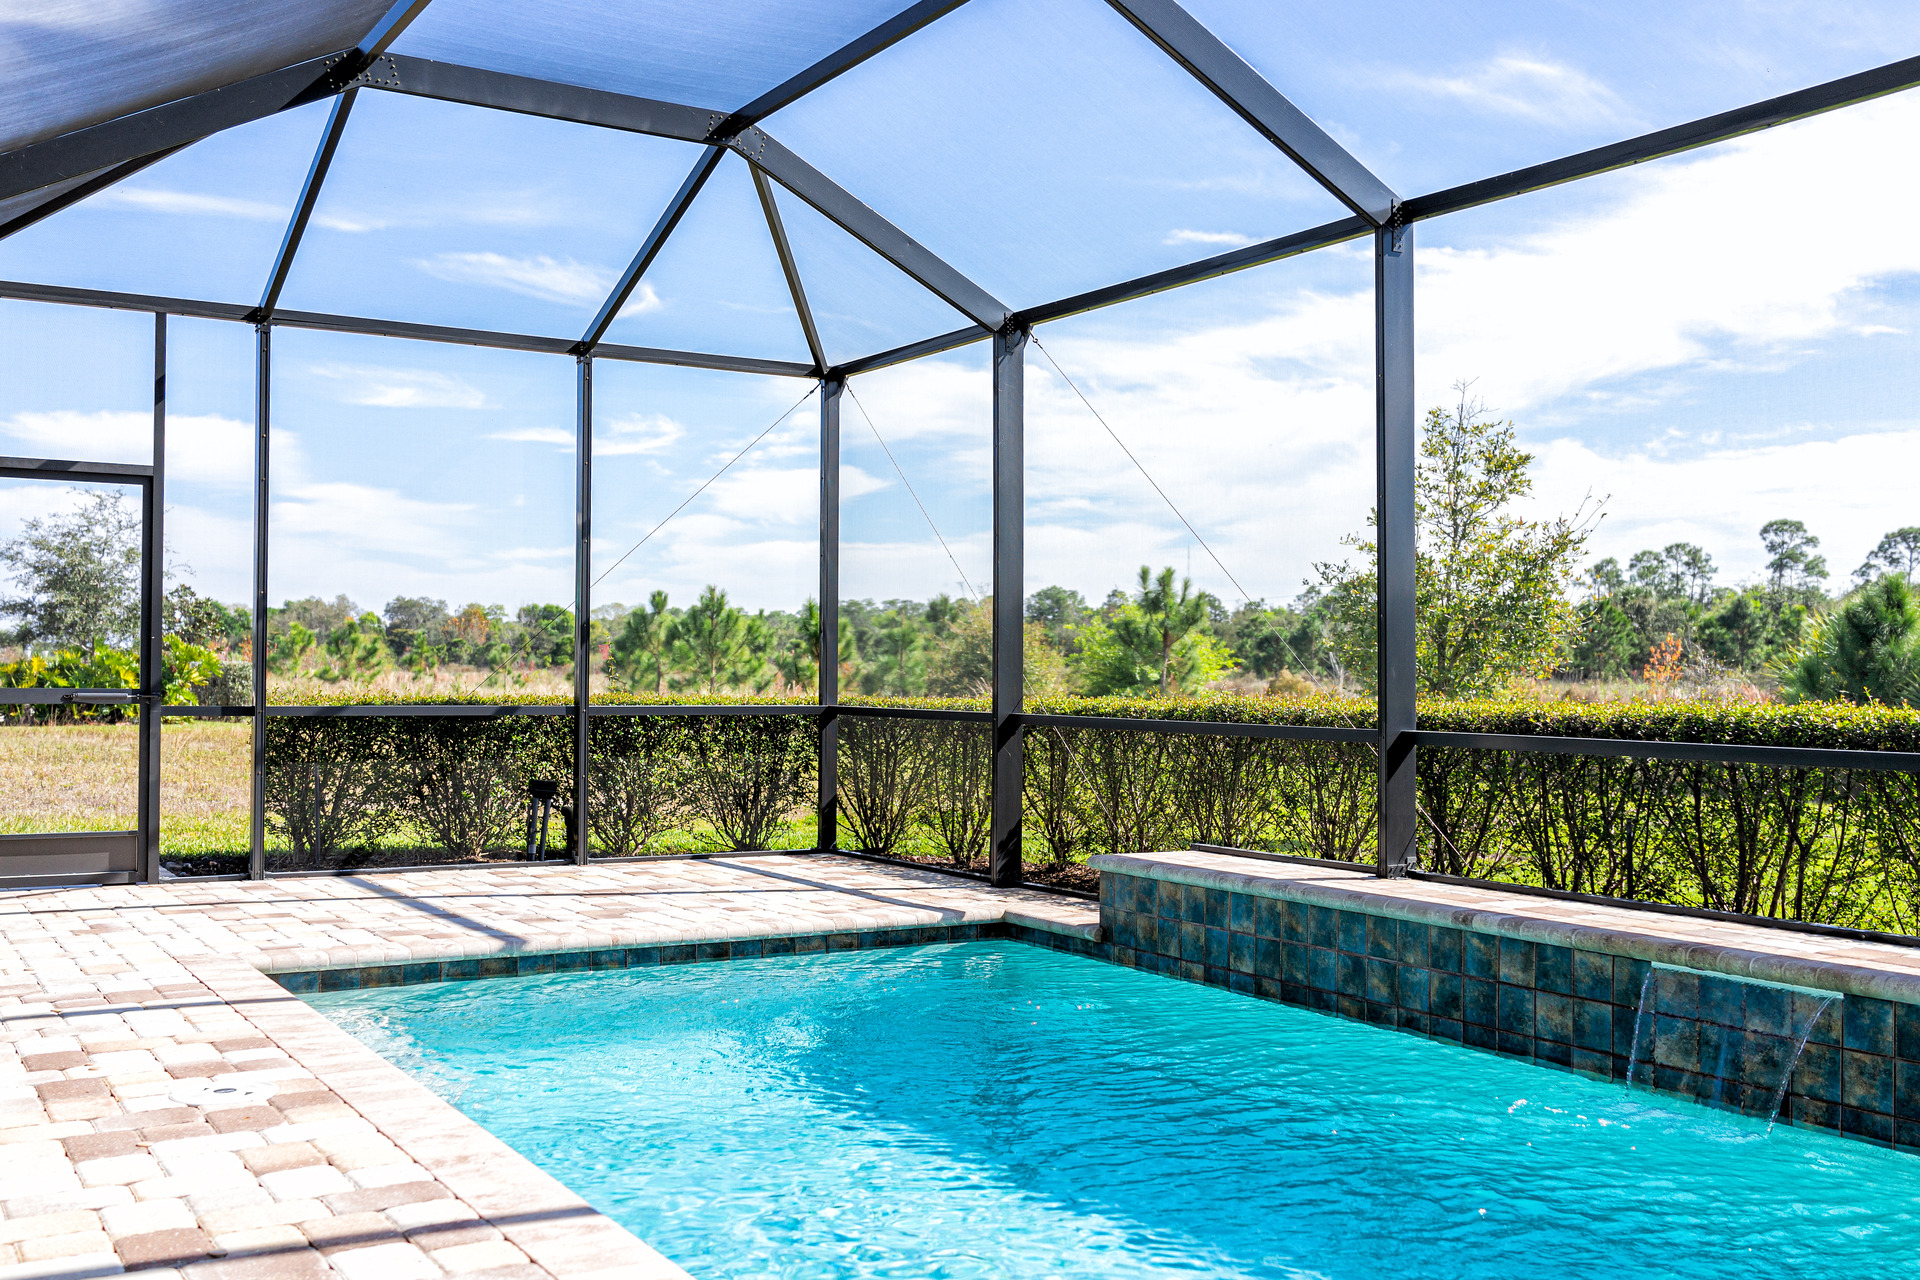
(1498, 598)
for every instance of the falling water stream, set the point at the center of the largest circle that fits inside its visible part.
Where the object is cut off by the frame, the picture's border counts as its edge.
(1799, 1047)
(1639, 1017)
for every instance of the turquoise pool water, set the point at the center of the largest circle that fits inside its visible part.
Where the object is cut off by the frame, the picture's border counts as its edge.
(990, 1109)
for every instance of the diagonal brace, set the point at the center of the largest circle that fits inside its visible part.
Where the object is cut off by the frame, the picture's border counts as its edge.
(1225, 73)
(649, 250)
(789, 268)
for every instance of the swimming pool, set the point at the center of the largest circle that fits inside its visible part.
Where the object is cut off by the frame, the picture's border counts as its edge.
(990, 1109)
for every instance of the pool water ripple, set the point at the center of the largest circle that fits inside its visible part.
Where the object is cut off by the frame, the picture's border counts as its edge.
(990, 1109)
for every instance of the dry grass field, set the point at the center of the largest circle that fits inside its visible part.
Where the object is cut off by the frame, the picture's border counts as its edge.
(82, 778)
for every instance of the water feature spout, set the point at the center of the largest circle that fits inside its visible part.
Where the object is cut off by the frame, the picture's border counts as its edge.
(1800, 1047)
(1639, 1018)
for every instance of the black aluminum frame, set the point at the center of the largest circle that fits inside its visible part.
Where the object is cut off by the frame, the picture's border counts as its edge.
(75, 165)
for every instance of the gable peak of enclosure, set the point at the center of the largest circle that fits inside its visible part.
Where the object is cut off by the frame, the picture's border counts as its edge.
(959, 156)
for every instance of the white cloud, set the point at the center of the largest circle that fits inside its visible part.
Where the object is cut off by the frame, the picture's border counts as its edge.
(154, 200)
(642, 300)
(1531, 88)
(635, 433)
(1655, 274)
(537, 435)
(201, 448)
(388, 388)
(534, 275)
(1227, 239)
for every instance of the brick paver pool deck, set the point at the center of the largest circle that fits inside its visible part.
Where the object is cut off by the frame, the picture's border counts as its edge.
(122, 1008)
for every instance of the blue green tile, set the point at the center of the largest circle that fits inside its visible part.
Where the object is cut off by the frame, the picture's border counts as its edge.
(1350, 974)
(1413, 943)
(1906, 1089)
(1767, 1010)
(1353, 932)
(1481, 955)
(1593, 1025)
(1273, 918)
(1676, 1043)
(1240, 913)
(1322, 969)
(1553, 969)
(1630, 981)
(1868, 1025)
(1906, 1031)
(1240, 953)
(1723, 1000)
(1383, 986)
(1592, 975)
(1516, 962)
(1415, 988)
(1516, 1012)
(1480, 1002)
(1382, 938)
(1866, 1081)
(1444, 999)
(1553, 1017)
(1443, 948)
(1323, 927)
(1218, 908)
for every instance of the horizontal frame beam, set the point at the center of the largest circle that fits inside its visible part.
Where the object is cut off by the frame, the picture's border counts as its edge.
(44, 695)
(1220, 264)
(356, 711)
(62, 468)
(1211, 728)
(914, 713)
(912, 351)
(1701, 752)
(1788, 107)
(68, 296)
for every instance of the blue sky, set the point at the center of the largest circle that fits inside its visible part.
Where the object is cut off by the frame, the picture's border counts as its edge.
(1706, 343)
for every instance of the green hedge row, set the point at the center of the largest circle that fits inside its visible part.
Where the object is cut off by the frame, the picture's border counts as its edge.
(1834, 845)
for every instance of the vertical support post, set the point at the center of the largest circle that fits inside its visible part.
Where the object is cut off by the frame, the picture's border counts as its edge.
(153, 589)
(262, 425)
(828, 831)
(582, 606)
(1009, 599)
(1394, 447)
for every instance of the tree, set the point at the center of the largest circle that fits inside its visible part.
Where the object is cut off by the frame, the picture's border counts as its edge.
(709, 642)
(414, 622)
(1793, 569)
(1061, 612)
(899, 663)
(1868, 650)
(1680, 570)
(1166, 617)
(546, 634)
(1156, 642)
(639, 653)
(79, 574)
(356, 650)
(1606, 644)
(1898, 552)
(1490, 588)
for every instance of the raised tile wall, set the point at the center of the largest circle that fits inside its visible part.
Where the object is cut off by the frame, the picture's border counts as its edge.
(1721, 1040)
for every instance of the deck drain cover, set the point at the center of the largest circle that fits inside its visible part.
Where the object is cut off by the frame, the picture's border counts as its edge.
(211, 1093)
